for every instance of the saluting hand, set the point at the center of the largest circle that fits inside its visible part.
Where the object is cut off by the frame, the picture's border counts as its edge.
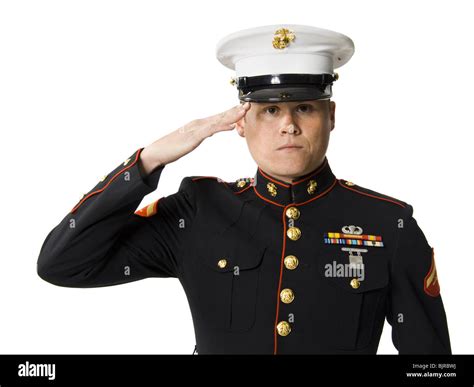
(188, 137)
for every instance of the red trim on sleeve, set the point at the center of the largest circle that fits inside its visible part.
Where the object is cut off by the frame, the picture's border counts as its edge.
(108, 183)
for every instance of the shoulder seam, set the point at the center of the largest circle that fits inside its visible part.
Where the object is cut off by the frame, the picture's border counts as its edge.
(372, 196)
(230, 185)
(218, 179)
(204, 177)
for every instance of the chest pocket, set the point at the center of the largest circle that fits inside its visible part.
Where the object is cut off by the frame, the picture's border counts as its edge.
(228, 270)
(352, 301)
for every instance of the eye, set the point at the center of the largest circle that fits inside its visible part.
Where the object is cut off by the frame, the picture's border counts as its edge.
(271, 109)
(305, 108)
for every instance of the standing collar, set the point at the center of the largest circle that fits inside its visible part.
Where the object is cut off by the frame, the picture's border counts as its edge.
(300, 190)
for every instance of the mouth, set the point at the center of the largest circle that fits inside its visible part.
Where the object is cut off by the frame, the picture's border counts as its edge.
(289, 147)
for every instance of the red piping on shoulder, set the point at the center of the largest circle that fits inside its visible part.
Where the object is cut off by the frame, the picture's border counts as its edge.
(222, 181)
(208, 177)
(372, 196)
(204, 177)
(242, 190)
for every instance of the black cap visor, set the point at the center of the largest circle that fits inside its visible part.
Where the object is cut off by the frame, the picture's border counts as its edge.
(285, 87)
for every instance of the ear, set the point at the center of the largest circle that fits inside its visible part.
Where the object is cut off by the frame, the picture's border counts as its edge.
(332, 114)
(240, 127)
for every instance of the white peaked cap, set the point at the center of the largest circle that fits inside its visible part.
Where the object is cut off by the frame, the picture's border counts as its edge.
(284, 49)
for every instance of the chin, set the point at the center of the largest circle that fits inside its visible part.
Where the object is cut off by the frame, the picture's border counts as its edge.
(289, 167)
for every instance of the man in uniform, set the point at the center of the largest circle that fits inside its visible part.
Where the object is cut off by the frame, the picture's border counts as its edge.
(293, 260)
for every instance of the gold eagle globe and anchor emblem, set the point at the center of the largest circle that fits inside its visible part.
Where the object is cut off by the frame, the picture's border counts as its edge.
(282, 38)
(272, 189)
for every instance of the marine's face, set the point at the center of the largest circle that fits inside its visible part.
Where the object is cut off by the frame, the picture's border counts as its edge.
(288, 139)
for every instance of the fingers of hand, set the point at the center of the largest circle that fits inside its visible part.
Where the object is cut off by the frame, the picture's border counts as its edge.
(245, 105)
(223, 121)
(230, 117)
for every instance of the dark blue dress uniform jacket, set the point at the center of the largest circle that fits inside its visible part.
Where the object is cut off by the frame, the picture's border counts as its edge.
(253, 258)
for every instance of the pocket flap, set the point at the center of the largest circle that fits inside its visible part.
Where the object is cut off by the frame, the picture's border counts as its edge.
(230, 251)
(370, 274)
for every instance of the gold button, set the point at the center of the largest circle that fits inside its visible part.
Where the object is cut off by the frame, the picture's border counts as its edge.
(126, 162)
(312, 186)
(292, 213)
(241, 183)
(355, 283)
(283, 328)
(222, 263)
(287, 296)
(294, 233)
(103, 178)
(291, 262)
(349, 183)
(272, 189)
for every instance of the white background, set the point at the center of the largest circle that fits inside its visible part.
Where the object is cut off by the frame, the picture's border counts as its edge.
(83, 84)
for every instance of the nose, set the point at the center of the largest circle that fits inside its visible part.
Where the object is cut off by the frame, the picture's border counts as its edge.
(289, 129)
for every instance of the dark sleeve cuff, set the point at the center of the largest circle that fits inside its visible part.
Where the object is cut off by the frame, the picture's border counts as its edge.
(152, 179)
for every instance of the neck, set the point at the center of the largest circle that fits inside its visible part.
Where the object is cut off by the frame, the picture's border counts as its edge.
(293, 178)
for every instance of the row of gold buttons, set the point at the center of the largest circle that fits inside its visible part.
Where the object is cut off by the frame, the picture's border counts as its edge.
(291, 262)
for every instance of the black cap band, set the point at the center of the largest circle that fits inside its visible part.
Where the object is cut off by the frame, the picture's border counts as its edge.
(285, 87)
